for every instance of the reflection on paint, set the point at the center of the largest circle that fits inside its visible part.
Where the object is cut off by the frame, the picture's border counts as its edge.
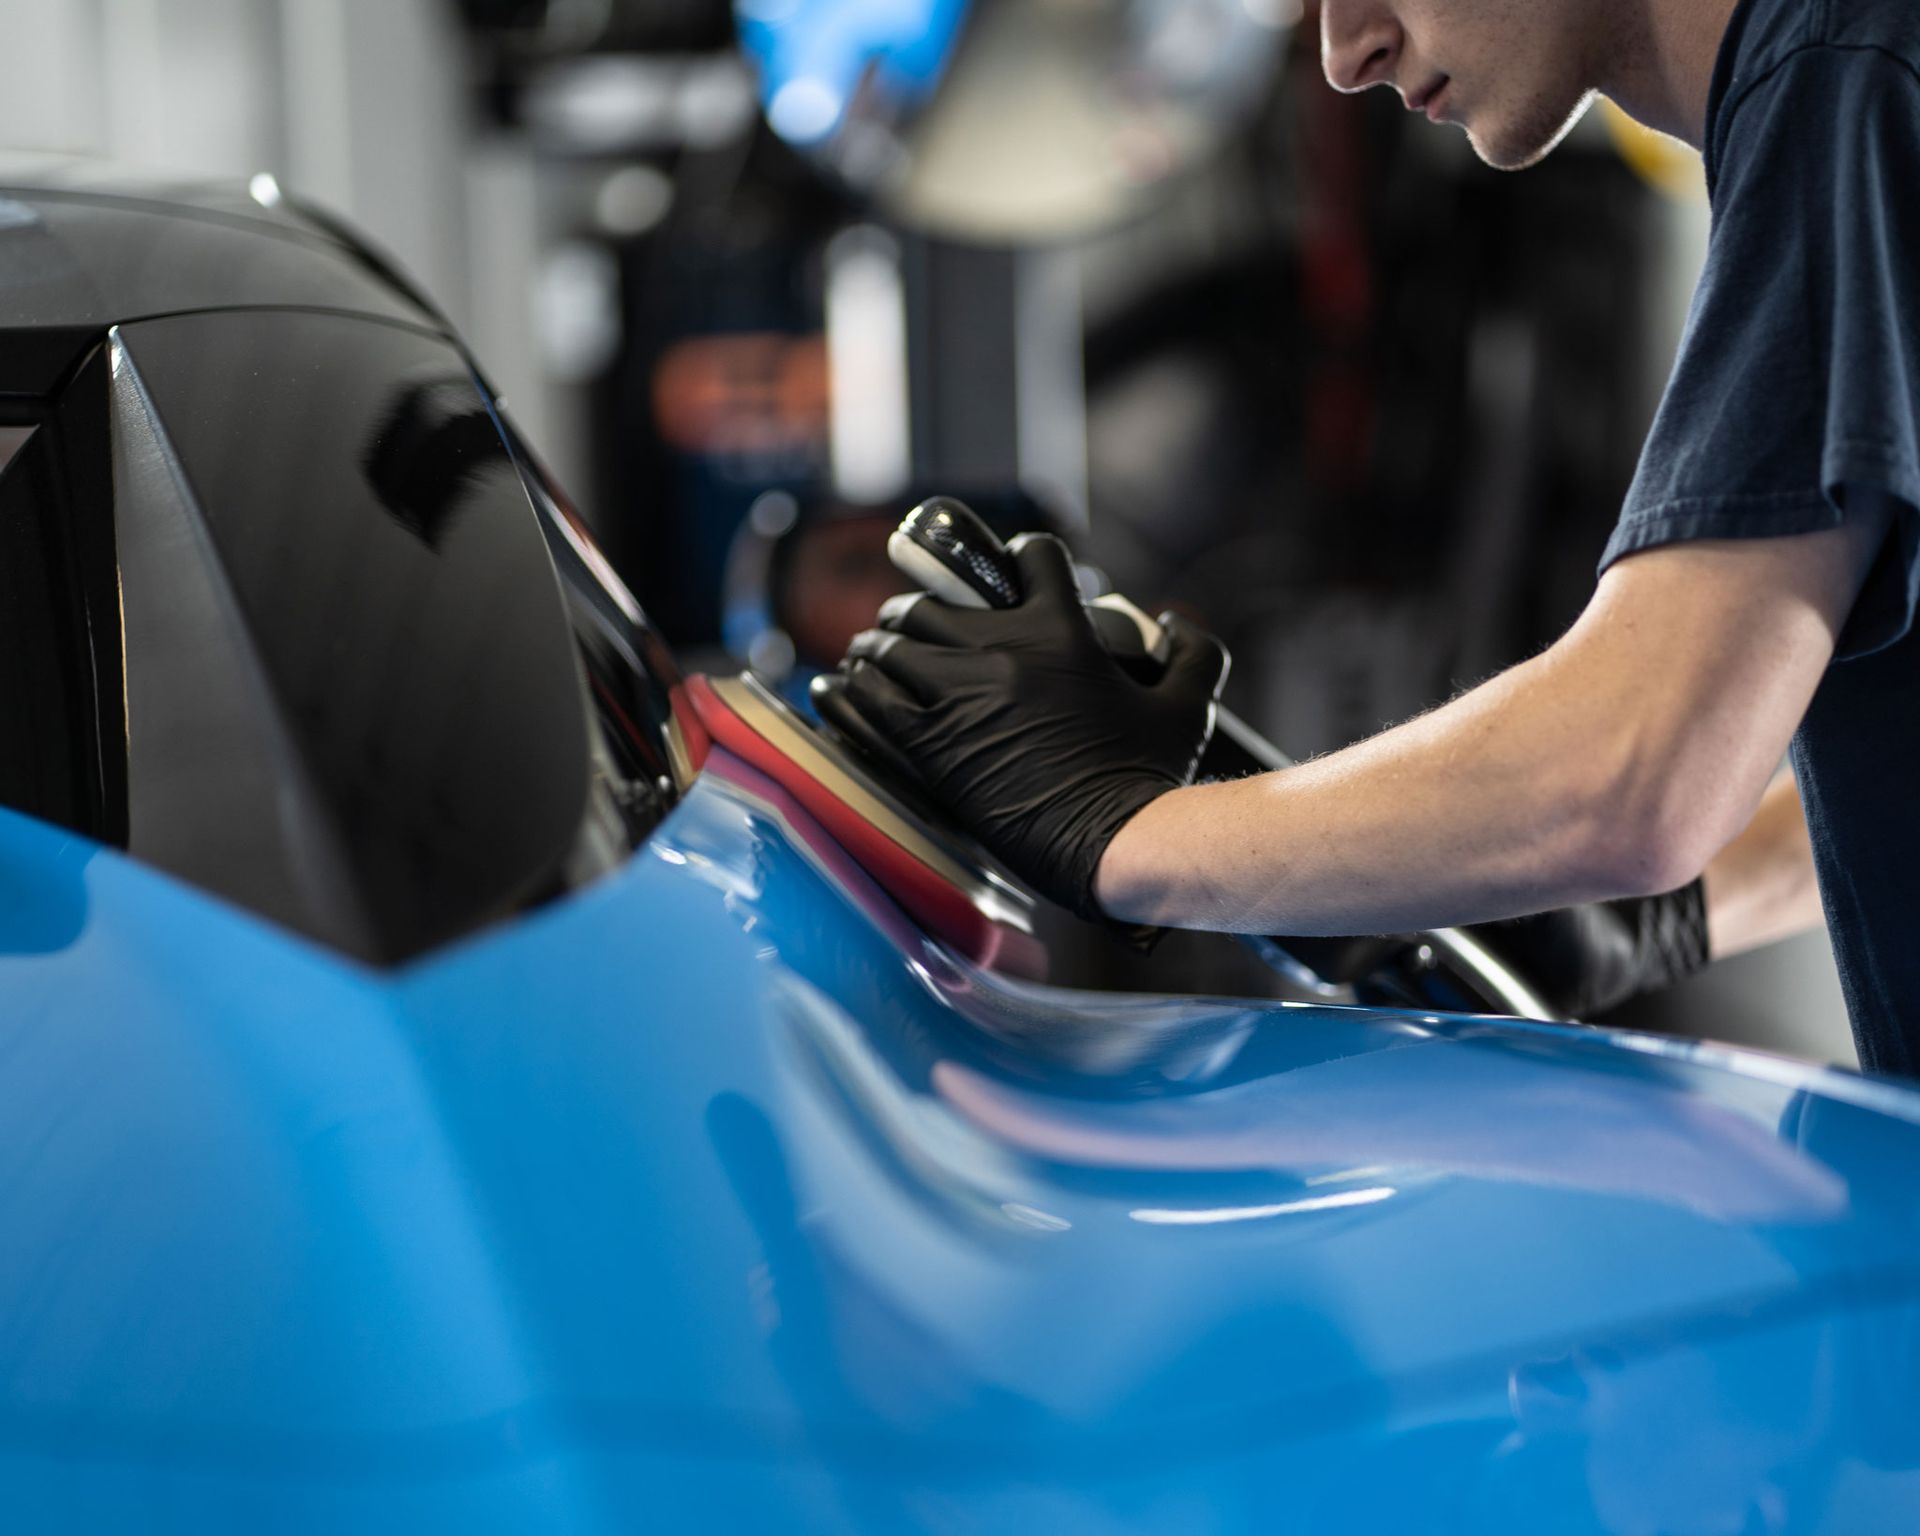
(1207, 1218)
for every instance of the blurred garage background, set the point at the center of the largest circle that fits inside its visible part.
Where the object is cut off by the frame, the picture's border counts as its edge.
(1292, 362)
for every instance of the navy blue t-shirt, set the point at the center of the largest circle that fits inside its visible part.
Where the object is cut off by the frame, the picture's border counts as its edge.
(1795, 403)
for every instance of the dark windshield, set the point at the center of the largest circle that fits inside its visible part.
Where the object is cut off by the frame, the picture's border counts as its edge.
(359, 697)
(47, 703)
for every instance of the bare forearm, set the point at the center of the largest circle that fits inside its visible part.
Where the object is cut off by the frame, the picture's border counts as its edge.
(1618, 763)
(1761, 886)
(1481, 809)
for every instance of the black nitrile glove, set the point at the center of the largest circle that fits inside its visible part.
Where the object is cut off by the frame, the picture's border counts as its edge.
(1584, 960)
(1022, 724)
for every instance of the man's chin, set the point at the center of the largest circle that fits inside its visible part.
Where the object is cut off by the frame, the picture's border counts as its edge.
(1506, 155)
(1515, 147)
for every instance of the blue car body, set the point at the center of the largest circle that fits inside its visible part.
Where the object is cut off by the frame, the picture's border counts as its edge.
(718, 1197)
(714, 1193)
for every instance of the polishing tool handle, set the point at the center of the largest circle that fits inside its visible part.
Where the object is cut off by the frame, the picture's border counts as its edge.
(945, 546)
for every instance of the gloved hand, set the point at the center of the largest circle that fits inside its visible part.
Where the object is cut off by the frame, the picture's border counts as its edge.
(1022, 724)
(1584, 960)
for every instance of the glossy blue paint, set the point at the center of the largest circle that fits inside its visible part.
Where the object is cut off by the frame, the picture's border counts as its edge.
(716, 1197)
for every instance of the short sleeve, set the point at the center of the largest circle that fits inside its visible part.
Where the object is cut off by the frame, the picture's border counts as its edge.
(1796, 395)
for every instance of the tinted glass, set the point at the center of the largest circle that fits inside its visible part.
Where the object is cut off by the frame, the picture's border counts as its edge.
(46, 698)
(629, 670)
(429, 762)
(12, 440)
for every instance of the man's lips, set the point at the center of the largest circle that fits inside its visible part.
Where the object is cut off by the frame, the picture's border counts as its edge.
(1427, 99)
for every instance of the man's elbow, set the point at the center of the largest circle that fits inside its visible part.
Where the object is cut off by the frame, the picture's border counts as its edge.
(1645, 862)
(1656, 835)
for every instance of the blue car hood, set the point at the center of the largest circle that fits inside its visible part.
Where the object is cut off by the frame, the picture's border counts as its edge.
(718, 1194)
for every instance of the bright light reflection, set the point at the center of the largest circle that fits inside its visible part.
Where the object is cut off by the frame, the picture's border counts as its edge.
(1345, 1175)
(1207, 1218)
(871, 432)
(264, 190)
(671, 855)
(1027, 1216)
(804, 110)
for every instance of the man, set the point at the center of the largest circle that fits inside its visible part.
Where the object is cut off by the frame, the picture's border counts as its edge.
(1759, 590)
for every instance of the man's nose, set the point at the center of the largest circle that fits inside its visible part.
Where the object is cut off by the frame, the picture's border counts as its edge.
(1360, 43)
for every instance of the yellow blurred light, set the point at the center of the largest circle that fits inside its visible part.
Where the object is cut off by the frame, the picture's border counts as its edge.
(1663, 163)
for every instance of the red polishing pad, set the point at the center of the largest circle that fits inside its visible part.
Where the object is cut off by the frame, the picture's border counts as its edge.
(954, 904)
